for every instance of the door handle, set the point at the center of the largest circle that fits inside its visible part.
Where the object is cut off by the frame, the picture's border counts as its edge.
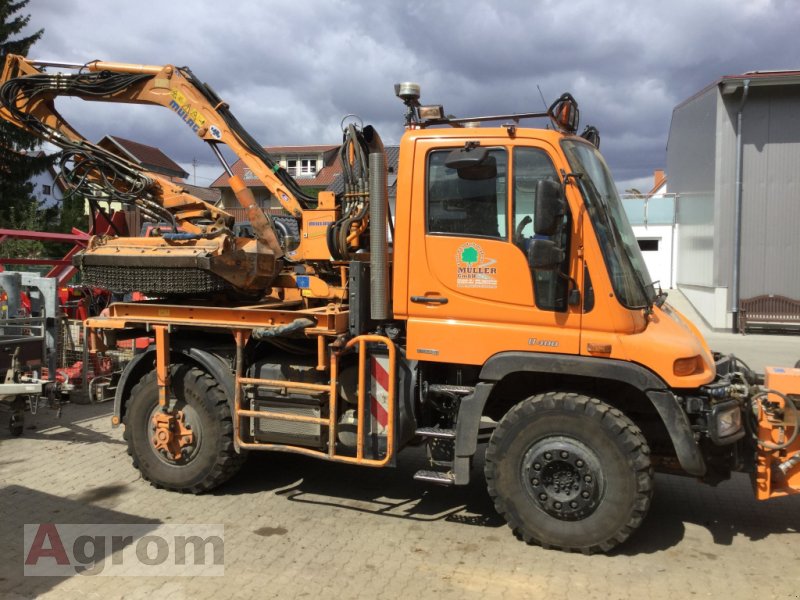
(429, 299)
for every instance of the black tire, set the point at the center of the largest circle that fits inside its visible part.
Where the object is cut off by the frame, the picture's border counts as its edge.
(16, 423)
(569, 472)
(77, 396)
(15, 426)
(211, 459)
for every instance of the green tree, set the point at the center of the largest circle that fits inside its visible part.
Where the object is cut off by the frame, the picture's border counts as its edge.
(19, 160)
(26, 217)
(469, 255)
(73, 213)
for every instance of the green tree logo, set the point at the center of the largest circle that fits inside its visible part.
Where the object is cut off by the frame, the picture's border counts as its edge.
(469, 255)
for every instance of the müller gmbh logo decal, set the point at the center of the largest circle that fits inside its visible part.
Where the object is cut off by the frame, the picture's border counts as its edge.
(474, 269)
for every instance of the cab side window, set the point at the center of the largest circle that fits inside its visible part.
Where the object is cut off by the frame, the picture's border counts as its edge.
(466, 207)
(531, 165)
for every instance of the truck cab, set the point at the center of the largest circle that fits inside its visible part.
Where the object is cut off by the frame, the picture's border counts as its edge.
(467, 282)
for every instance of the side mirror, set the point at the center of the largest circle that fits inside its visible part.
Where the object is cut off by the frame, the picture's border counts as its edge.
(544, 255)
(472, 163)
(591, 135)
(549, 209)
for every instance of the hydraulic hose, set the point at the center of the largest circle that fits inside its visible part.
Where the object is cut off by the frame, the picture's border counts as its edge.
(355, 203)
(248, 140)
(787, 402)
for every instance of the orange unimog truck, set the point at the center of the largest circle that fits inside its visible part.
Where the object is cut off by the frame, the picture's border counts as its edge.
(502, 300)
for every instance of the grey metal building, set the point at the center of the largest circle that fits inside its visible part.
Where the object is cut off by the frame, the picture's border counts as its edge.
(733, 159)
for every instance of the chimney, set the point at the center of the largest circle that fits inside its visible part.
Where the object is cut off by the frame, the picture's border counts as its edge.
(658, 177)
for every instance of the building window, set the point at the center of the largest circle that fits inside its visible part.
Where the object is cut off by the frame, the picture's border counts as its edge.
(249, 175)
(648, 245)
(302, 167)
(46, 191)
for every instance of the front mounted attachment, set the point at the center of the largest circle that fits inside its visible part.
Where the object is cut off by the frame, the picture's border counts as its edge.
(777, 418)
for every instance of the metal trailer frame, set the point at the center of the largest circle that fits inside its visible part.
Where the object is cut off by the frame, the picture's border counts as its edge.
(15, 392)
(13, 282)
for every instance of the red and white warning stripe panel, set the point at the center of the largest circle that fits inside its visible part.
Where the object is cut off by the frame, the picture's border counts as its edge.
(379, 393)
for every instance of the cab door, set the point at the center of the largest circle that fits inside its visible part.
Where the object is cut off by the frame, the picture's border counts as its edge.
(471, 291)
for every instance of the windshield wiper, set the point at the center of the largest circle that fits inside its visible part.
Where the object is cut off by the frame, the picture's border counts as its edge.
(660, 296)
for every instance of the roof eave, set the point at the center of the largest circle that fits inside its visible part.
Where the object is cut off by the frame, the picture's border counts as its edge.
(730, 84)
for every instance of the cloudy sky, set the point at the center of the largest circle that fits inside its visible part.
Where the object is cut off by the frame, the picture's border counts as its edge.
(291, 70)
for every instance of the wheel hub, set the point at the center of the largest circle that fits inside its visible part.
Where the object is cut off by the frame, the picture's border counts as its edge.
(171, 436)
(564, 478)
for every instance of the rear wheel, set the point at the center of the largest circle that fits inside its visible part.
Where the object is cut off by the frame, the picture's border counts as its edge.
(209, 459)
(569, 472)
(15, 426)
(17, 421)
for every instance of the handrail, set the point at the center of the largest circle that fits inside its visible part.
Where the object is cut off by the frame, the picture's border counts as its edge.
(331, 422)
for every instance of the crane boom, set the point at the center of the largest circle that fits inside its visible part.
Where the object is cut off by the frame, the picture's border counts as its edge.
(205, 242)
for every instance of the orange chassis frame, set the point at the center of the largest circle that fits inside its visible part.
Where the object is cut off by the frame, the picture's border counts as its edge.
(331, 325)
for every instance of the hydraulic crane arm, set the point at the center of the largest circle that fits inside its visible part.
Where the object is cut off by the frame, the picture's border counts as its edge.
(318, 229)
(176, 88)
(204, 256)
(91, 171)
(27, 97)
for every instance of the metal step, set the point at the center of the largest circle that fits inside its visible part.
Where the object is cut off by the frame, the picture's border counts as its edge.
(435, 477)
(436, 433)
(443, 388)
(485, 432)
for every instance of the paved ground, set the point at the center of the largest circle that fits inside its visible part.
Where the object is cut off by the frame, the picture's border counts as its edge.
(295, 527)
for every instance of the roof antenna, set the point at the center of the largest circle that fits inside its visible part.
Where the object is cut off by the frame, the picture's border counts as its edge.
(543, 102)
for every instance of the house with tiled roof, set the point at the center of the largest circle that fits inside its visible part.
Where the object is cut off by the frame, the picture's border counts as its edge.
(659, 184)
(204, 193)
(154, 160)
(314, 168)
(48, 188)
(147, 157)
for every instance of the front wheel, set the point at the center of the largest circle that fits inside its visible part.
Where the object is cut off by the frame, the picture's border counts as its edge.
(569, 472)
(208, 457)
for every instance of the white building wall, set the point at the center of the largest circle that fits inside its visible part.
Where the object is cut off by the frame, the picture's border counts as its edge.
(711, 303)
(40, 182)
(652, 220)
(661, 261)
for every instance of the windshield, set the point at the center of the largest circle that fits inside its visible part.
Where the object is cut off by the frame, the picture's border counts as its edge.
(626, 267)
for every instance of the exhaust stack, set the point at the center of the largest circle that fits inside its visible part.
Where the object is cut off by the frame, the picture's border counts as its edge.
(378, 241)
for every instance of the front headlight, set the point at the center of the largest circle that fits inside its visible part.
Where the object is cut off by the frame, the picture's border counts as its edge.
(726, 423)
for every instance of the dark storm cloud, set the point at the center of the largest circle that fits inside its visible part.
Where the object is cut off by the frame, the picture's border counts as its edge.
(290, 71)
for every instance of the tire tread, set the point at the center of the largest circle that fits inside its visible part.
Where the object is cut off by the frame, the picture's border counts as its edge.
(632, 440)
(227, 462)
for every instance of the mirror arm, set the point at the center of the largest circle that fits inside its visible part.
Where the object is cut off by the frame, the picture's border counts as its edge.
(567, 176)
(573, 287)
